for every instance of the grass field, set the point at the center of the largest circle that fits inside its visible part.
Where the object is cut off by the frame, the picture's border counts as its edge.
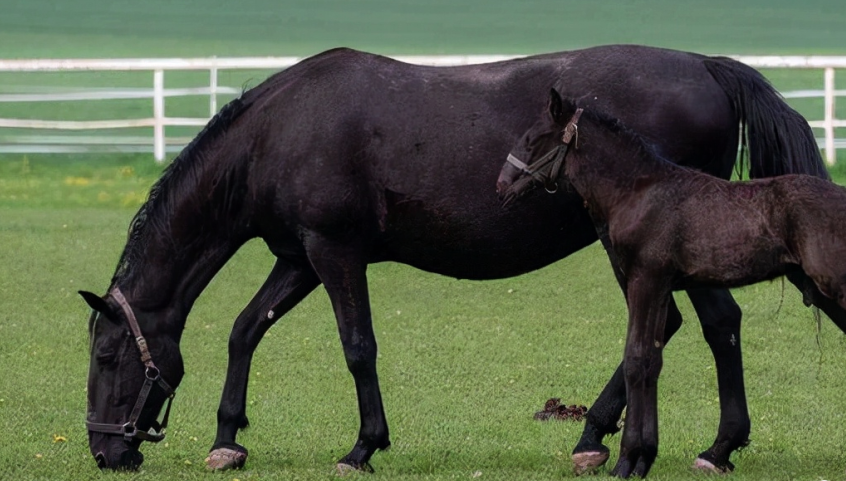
(463, 364)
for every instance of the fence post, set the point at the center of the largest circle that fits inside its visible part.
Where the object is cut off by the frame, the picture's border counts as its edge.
(212, 91)
(158, 115)
(830, 153)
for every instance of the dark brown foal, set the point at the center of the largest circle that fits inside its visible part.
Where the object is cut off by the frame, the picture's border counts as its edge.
(671, 228)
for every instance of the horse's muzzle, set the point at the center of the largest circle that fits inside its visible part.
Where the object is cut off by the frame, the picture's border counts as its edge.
(126, 460)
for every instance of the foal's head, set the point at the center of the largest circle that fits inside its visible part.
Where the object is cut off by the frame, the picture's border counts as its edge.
(538, 156)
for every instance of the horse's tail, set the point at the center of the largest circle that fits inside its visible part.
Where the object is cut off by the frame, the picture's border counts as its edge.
(774, 138)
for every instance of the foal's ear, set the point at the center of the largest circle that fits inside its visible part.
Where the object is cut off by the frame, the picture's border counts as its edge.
(556, 106)
(98, 304)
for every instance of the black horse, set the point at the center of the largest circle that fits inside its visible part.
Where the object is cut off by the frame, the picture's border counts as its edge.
(671, 228)
(350, 158)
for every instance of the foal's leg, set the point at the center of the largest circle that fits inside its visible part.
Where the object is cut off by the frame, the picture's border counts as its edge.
(720, 317)
(604, 414)
(648, 299)
(284, 288)
(342, 269)
(601, 420)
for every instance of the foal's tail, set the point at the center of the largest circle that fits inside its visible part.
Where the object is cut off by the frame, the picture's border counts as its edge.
(774, 138)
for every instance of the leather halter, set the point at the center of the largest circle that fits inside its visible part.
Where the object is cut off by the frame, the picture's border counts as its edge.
(546, 169)
(152, 375)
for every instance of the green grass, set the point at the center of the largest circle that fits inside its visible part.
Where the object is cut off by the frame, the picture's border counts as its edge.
(463, 364)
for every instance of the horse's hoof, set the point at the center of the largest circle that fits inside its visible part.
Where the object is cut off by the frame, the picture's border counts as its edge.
(222, 459)
(344, 469)
(588, 461)
(705, 466)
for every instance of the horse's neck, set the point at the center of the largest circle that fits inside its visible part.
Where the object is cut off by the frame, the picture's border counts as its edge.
(185, 241)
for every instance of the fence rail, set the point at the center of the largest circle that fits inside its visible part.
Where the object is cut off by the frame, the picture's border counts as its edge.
(158, 94)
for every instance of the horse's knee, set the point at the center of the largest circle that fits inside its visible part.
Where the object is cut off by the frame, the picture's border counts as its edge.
(361, 359)
(643, 370)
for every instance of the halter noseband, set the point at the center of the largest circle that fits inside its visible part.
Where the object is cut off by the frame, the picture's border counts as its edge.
(152, 375)
(546, 169)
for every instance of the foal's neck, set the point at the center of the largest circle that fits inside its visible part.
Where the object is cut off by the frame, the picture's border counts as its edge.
(609, 170)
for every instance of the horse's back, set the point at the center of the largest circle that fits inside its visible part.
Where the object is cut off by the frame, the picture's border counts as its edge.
(410, 153)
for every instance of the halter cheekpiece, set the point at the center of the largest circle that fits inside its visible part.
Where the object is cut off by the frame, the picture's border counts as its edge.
(152, 375)
(546, 169)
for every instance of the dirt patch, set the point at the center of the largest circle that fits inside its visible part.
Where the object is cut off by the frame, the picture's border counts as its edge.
(555, 409)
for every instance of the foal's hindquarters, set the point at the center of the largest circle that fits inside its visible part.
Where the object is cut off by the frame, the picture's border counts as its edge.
(724, 234)
(818, 225)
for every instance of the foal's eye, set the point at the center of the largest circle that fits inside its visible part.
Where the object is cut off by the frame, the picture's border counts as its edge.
(106, 358)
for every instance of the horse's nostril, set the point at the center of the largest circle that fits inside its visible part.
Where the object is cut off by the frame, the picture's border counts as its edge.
(100, 458)
(131, 460)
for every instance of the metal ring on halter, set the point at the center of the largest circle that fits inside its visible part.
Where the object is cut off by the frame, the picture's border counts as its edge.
(129, 431)
(152, 373)
(554, 188)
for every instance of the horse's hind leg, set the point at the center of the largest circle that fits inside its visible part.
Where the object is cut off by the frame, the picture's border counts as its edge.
(284, 288)
(720, 318)
(342, 269)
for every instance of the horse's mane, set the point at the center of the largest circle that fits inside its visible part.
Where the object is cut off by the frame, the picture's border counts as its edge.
(166, 190)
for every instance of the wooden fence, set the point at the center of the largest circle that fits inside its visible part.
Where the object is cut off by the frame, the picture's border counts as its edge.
(159, 143)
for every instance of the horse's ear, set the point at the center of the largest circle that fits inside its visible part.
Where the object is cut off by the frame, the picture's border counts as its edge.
(98, 304)
(556, 107)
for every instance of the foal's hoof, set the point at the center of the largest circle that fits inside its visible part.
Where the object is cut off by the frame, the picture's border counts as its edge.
(588, 461)
(221, 459)
(705, 466)
(344, 469)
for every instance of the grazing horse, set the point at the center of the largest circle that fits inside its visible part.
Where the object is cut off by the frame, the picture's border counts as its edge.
(671, 228)
(349, 158)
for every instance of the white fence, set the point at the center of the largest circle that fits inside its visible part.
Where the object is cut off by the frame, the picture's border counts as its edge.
(159, 120)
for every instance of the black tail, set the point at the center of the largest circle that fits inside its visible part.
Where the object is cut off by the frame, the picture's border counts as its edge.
(777, 139)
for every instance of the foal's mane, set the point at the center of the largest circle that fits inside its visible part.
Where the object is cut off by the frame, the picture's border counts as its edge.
(170, 187)
(641, 147)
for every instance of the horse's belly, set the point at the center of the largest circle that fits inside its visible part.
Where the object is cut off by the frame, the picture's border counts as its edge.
(486, 241)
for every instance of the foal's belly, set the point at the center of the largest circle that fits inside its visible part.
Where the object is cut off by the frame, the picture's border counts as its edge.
(736, 266)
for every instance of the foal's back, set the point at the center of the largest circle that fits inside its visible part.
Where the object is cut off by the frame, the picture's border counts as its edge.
(713, 232)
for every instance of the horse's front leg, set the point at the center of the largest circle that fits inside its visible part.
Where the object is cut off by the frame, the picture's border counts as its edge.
(648, 298)
(284, 288)
(342, 269)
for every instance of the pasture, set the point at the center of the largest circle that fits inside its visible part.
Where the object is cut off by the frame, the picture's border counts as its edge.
(463, 365)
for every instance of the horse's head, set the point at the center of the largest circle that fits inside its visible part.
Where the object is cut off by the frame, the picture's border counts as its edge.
(131, 376)
(539, 155)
